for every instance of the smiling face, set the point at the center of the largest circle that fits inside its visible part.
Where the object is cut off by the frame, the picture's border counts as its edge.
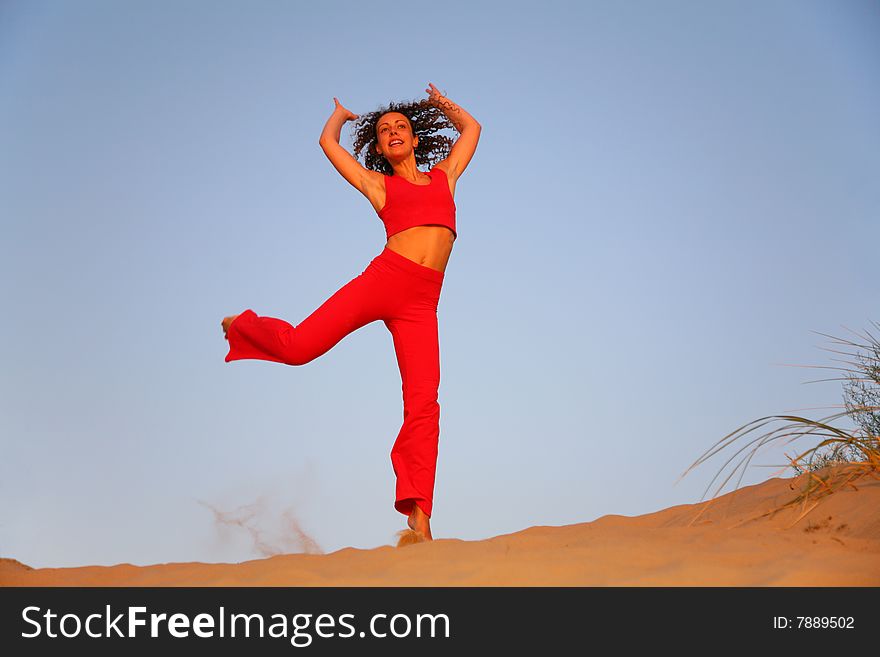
(394, 136)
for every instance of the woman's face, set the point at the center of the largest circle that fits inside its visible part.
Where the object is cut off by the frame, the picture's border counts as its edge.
(394, 137)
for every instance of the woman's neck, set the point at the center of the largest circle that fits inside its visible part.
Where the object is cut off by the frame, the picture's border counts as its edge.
(407, 169)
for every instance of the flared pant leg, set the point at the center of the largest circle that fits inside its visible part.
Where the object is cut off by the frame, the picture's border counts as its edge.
(414, 454)
(414, 330)
(354, 305)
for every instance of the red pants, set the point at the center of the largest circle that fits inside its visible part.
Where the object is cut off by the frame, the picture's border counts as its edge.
(402, 293)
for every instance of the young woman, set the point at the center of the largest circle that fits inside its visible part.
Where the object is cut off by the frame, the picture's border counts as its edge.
(401, 286)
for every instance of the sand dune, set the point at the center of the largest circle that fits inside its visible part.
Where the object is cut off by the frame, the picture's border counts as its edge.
(728, 541)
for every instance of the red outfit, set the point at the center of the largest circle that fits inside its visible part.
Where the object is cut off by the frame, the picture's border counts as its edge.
(404, 295)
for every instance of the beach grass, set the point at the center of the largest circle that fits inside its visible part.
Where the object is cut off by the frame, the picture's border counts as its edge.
(841, 457)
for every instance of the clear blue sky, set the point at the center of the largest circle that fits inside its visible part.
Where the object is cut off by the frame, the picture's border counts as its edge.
(668, 197)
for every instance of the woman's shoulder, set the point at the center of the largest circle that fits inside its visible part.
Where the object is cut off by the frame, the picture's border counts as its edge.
(376, 178)
(443, 166)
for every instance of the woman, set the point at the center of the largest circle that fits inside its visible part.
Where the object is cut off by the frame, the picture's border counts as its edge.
(401, 286)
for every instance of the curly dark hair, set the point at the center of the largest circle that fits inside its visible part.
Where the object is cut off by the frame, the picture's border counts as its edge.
(426, 120)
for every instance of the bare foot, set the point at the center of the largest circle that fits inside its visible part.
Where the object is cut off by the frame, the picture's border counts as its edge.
(419, 522)
(408, 537)
(226, 322)
(419, 528)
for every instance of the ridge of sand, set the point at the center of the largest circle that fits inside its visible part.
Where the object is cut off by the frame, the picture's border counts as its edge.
(728, 541)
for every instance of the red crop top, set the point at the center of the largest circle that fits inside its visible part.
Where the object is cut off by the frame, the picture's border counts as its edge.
(408, 204)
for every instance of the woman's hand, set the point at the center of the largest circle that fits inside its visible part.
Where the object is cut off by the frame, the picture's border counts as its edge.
(347, 115)
(434, 95)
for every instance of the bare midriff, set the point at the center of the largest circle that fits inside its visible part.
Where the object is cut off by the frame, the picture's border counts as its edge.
(429, 246)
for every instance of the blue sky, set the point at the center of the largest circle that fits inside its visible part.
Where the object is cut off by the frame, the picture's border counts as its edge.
(667, 200)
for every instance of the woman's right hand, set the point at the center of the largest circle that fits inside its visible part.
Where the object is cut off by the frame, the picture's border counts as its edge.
(346, 114)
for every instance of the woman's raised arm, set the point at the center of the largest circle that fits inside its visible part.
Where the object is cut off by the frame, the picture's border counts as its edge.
(344, 162)
(469, 132)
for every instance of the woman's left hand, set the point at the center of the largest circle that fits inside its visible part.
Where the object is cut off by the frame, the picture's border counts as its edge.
(434, 95)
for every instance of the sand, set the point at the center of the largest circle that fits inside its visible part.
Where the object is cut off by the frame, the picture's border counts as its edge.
(731, 540)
